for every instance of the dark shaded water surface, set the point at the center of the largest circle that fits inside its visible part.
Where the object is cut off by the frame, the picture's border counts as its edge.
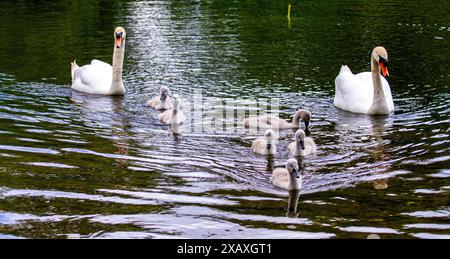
(78, 166)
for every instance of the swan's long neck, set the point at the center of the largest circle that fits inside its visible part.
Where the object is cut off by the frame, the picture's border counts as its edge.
(293, 182)
(379, 104)
(174, 118)
(296, 120)
(298, 149)
(269, 144)
(117, 87)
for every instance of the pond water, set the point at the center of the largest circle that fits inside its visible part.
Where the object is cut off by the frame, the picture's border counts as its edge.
(79, 166)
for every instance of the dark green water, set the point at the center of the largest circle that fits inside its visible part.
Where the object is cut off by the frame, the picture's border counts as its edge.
(76, 166)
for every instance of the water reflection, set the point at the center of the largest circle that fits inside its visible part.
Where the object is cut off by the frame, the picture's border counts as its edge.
(356, 127)
(371, 135)
(93, 106)
(71, 155)
(294, 196)
(107, 115)
(381, 184)
(270, 163)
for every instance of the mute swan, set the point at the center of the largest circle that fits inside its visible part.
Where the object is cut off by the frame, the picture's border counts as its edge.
(274, 122)
(163, 101)
(265, 146)
(174, 117)
(367, 93)
(302, 146)
(100, 77)
(287, 178)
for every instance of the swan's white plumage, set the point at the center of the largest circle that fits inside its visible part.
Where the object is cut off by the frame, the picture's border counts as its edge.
(284, 178)
(173, 116)
(168, 117)
(260, 145)
(307, 148)
(95, 78)
(156, 103)
(280, 178)
(99, 77)
(310, 147)
(270, 121)
(159, 104)
(266, 122)
(355, 93)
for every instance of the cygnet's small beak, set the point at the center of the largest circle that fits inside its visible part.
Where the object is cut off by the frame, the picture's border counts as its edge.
(163, 96)
(295, 173)
(302, 144)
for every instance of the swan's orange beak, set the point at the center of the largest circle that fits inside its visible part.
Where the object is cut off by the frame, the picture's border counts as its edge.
(119, 42)
(384, 64)
(384, 70)
(119, 39)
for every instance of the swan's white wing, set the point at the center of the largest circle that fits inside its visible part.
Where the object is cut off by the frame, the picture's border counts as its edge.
(310, 146)
(353, 92)
(154, 102)
(280, 178)
(165, 117)
(291, 147)
(259, 145)
(101, 65)
(95, 78)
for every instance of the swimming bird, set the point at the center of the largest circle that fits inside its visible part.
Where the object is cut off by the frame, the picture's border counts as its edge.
(287, 178)
(274, 122)
(265, 145)
(100, 77)
(302, 145)
(367, 92)
(174, 116)
(163, 101)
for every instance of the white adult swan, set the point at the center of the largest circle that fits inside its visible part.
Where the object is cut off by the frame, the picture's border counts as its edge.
(100, 77)
(287, 178)
(367, 93)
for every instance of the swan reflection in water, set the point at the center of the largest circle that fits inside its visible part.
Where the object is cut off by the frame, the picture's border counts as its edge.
(357, 128)
(381, 184)
(106, 116)
(294, 196)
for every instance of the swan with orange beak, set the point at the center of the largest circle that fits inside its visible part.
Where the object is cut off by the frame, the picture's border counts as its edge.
(367, 92)
(99, 77)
